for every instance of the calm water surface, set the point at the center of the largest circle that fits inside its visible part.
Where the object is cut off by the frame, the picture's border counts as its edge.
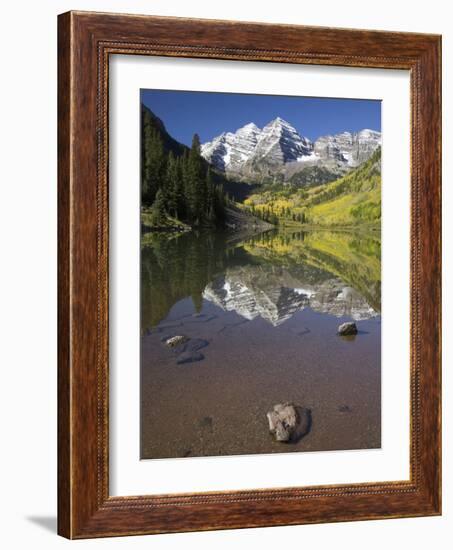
(261, 314)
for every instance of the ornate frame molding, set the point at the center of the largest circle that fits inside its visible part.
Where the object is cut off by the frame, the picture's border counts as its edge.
(86, 40)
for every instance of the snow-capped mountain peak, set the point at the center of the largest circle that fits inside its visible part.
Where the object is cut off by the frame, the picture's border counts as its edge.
(279, 122)
(250, 127)
(229, 151)
(279, 143)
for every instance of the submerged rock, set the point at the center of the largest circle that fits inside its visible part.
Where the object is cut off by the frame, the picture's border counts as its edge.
(195, 344)
(282, 421)
(288, 422)
(186, 349)
(189, 357)
(206, 422)
(177, 340)
(347, 329)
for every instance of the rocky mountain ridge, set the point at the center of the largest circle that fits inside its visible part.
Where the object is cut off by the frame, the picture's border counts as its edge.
(278, 148)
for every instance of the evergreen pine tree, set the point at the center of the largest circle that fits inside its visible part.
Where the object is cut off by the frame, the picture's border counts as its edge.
(153, 164)
(219, 204)
(171, 185)
(195, 184)
(158, 212)
(209, 206)
(183, 209)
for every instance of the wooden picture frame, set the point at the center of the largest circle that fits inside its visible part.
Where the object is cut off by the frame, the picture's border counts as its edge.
(85, 42)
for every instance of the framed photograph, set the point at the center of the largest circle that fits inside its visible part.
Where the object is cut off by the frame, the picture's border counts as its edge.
(249, 275)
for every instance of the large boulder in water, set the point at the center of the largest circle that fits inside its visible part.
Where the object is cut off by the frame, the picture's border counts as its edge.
(288, 422)
(347, 329)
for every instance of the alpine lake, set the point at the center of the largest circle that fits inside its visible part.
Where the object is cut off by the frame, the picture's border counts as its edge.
(259, 316)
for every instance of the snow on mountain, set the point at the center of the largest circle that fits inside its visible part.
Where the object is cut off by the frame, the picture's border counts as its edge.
(279, 143)
(230, 151)
(348, 148)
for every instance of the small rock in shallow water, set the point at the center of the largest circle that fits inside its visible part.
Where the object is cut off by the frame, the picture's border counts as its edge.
(189, 357)
(176, 340)
(347, 329)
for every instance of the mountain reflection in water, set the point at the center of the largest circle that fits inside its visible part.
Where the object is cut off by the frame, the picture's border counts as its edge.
(272, 275)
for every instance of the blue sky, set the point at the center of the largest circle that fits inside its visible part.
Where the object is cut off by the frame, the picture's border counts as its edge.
(211, 113)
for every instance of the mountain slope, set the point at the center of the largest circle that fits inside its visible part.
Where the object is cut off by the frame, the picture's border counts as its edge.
(248, 150)
(279, 152)
(151, 122)
(280, 143)
(351, 148)
(229, 151)
(353, 199)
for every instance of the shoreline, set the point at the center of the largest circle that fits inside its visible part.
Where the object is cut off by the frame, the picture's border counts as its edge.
(260, 229)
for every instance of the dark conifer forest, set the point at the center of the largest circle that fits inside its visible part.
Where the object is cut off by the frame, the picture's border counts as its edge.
(177, 182)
